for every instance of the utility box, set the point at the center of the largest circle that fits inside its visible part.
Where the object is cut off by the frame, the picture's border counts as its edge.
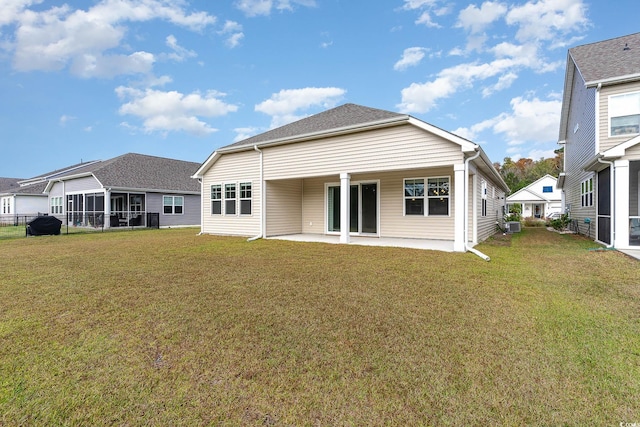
(513, 227)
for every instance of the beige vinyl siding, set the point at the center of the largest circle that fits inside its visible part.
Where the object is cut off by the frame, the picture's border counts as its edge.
(284, 207)
(233, 168)
(607, 142)
(632, 153)
(313, 204)
(399, 147)
(487, 224)
(580, 147)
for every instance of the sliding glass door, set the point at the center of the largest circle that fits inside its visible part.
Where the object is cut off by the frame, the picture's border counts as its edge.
(363, 216)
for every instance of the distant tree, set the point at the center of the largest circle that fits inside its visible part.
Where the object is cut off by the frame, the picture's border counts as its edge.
(524, 171)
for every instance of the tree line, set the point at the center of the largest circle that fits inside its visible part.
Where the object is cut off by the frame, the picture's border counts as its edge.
(522, 172)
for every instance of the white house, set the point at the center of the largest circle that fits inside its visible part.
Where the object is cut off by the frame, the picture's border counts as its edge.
(538, 199)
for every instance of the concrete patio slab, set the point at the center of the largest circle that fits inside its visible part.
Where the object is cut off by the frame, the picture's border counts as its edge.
(426, 244)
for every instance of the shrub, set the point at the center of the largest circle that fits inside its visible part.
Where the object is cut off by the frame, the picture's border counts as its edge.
(533, 222)
(560, 223)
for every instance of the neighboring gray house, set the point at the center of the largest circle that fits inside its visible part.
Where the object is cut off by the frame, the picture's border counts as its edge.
(123, 190)
(354, 171)
(600, 132)
(22, 199)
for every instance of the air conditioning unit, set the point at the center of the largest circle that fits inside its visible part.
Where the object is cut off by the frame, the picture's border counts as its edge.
(513, 227)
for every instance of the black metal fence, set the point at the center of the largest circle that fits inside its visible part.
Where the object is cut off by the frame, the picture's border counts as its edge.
(16, 225)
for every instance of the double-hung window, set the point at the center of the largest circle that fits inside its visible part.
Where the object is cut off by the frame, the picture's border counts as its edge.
(245, 198)
(229, 199)
(434, 201)
(438, 195)
(6, 205)
(586, 192)
(173, 205)
(414, 196)
(56, 205)
(216, 199)
(624, 114)
(483, 187)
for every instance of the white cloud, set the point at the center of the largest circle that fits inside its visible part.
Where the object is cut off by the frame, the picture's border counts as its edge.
(233, 31)
(244, 133)
(475, 20)
(179, 53)
(504, 82)
(264, 7)
(64, 119)
(410, 58)
(173, 111)
(55, 38)
(547, 19)
(531, 121)
(422, 97)
(283, 106)
(426, 9)
(107, 66)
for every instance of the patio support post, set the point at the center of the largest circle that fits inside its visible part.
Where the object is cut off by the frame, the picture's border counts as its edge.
(459, 208)
(621, 200)
(345, 190)
(107, 208)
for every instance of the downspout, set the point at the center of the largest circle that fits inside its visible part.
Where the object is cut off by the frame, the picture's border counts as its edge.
(612, 190)
(466, 209)
(262, 199)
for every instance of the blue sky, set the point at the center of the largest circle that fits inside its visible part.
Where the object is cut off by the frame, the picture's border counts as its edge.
(87, 80)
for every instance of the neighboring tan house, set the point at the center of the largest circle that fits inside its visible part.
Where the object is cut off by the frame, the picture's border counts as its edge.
(600, 132)
(23, 199)
(129, 190)
(385, 174)
(538, 199)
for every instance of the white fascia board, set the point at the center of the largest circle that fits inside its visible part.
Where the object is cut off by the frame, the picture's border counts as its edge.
(466, 145)
(206, 165)
(620, 149)
(68, 177)
(614, 80)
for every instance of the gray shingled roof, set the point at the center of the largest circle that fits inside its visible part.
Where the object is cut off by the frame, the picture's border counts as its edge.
(139, 171)
(343, 116)
(608, 59)
(9, 184)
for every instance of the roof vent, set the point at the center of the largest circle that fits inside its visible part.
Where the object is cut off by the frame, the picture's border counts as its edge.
(626, 47)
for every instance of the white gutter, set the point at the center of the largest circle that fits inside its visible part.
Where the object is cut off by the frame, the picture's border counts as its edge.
(466, 209)
(262, 199)
(612, 190)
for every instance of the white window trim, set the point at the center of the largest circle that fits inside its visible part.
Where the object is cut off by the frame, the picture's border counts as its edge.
(224, 198)
(423, 197)
(483, 193)
(626, 135)
(239, 197)
(221, 200)
(426, 196)
(585, 183)
(173, 204)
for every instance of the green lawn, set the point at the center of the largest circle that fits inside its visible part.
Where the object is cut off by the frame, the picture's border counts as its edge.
(163, 327)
